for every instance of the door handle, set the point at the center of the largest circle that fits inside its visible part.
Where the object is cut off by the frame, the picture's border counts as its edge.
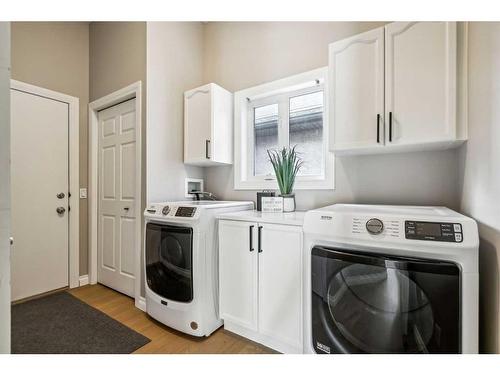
(11, 239)
(207, 143)
(251, 237)
(259, 239)
(126, 208)
(60, 210)
(378, 127)
(60, 195)
(390, 126)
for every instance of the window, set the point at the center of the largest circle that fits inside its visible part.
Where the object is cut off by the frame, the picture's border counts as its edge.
(285, 113)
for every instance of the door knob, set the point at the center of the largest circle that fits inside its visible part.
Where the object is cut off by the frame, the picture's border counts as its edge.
(60, 210)
(60, 195)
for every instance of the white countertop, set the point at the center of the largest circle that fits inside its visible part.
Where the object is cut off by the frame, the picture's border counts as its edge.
(287, 218)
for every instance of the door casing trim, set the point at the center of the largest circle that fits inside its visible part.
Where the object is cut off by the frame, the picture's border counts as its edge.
(74, 171)
(130, 92)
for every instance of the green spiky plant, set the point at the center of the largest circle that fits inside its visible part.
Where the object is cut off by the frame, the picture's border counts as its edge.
(286, 163)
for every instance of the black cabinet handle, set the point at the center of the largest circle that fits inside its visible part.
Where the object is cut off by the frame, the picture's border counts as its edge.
(207, 143)
(259, 239)
(390, 126)
(378, 127)
(251, 237)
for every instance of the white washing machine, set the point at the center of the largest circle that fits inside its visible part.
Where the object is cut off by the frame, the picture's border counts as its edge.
(181, 264)
(390, 279)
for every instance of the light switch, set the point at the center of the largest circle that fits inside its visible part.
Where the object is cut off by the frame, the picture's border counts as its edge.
(83, 193)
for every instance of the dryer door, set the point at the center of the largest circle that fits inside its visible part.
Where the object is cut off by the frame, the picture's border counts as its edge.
(169, 261)
(369, 303)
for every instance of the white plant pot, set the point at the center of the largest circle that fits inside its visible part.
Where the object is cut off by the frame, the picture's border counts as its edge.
(288, 202)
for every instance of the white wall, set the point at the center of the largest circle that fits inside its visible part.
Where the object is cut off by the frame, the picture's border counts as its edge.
(243, 54)
(4, 187)
(174, 65)
(480, 170)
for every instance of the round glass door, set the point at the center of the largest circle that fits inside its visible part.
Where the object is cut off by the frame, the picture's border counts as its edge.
(380, 310)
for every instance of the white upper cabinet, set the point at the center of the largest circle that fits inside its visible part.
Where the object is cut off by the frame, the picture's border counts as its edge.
(208, 126)
(357, 91)
(421, 64)
(415, 64)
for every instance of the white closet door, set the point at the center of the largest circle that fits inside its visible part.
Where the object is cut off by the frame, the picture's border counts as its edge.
(117, 195)
(421, 60)
(39, 172)
(356, 67)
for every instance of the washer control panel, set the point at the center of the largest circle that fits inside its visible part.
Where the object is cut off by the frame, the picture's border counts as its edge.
(433, 231)
(374, 226)
(185, 211)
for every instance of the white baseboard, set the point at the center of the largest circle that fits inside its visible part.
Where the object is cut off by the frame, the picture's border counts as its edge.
(140, 303)
(83, 280)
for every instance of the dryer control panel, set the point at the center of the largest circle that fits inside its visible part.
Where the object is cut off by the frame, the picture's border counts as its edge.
(433, 231)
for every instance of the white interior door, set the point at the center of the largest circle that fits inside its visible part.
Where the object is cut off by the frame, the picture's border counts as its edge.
(116, 212)
(39, 157)
(356, 68)
(421, 61)
(4, 188)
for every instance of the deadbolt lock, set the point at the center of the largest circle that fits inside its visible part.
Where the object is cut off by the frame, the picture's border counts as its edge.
(60, 195)
(60, 210)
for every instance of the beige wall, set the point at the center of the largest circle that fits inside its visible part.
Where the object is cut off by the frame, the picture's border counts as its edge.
(55, 55)
(480, 171)
(243, 54)
(175, 65)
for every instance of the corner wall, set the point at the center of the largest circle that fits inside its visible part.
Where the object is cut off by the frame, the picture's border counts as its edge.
(480, 171)
(174, 65)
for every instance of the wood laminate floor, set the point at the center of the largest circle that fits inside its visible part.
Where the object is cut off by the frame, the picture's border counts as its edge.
(164, 340)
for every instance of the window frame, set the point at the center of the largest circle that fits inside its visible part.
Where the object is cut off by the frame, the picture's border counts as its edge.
(280, 92)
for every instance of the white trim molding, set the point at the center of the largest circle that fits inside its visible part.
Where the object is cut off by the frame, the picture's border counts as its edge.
(84, 280)
(74, 170)
(267, 93)
(140, 303)
(132, 91)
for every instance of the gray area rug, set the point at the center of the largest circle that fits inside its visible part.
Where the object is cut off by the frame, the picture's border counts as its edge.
(61, 323)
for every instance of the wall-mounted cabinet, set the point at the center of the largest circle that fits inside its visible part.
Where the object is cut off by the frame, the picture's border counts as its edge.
(395, 89)
(208, 126)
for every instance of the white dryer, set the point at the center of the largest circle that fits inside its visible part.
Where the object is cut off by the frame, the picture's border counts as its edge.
(390, 279)
(181, 264)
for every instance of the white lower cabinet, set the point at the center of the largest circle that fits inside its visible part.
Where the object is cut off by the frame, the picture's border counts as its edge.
(261, 282)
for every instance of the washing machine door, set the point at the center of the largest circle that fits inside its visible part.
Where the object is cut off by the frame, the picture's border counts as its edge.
(368, 303)
(169, 261)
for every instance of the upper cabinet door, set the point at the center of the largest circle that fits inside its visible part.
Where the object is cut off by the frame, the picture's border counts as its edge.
(197, 124)
(420, 88)
(356, 68)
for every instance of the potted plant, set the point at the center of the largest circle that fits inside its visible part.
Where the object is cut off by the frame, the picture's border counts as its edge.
(286, 164)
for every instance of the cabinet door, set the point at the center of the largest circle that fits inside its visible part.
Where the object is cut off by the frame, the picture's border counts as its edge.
(197, 125)
(420, 82)
(356, 68)
(238, 272)
(280, 286)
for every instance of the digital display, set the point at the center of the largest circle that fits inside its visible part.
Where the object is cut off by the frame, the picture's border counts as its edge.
(428, 229)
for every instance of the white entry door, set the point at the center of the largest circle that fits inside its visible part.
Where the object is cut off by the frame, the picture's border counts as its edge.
(116, 212)
(39, 168)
